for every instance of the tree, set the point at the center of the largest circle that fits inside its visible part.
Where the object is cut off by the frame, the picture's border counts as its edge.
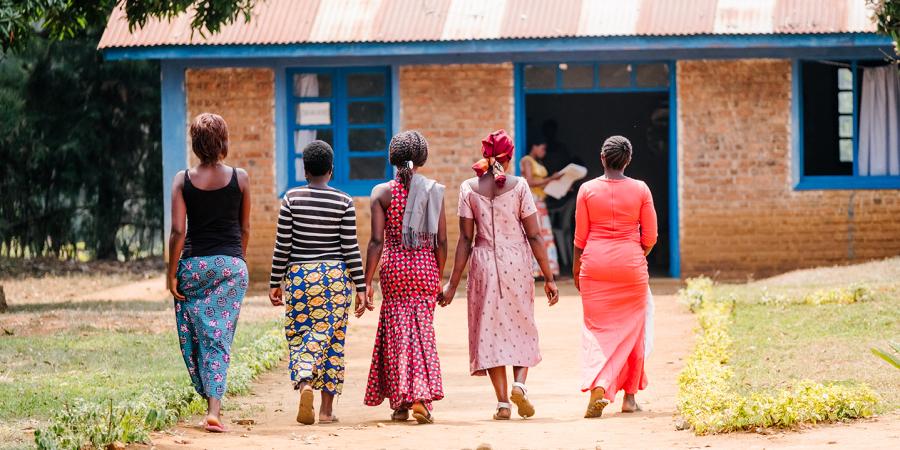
(887, 17)
(23, 20)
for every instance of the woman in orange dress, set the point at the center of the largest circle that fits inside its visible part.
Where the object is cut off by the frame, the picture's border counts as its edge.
(615, 228)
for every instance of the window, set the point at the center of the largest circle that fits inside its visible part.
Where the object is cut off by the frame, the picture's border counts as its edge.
(351, 110)
(586, 77)
(832, 125)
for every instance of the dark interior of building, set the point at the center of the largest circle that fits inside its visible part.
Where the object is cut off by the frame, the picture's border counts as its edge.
(580, 123)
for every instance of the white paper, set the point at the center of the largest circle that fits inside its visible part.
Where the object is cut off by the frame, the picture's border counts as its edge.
(314, 113)
(560, 187)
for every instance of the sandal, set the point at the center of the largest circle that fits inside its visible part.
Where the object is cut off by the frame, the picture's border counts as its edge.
(334, 419)
(305, 413)
(421, 414)
(400, 415)
(520, 398)
(502, 405)
(596, 404)
(214, 428)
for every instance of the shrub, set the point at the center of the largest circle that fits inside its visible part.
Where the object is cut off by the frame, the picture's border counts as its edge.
(711, 402)
(87, 424)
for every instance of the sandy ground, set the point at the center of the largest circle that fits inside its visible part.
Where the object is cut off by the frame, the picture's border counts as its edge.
(463, 418)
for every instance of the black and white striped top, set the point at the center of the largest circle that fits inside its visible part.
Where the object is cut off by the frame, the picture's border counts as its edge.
(315, 225)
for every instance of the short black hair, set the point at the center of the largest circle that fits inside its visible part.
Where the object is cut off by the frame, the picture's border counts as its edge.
(318, 158)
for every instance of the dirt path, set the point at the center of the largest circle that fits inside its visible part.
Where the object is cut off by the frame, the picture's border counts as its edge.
(463, 417)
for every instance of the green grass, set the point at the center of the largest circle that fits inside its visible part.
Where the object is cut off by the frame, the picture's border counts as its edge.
(38, 373)
(777, 344)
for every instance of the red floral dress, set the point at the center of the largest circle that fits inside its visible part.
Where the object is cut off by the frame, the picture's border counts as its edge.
(405, 366)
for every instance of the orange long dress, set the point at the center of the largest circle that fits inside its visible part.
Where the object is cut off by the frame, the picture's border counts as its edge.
(614, 220)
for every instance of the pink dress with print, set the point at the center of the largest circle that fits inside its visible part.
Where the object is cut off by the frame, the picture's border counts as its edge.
(500, 286)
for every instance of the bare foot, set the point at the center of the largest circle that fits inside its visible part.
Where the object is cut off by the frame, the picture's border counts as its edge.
(630, 405)
(214, 424)
(596, 404)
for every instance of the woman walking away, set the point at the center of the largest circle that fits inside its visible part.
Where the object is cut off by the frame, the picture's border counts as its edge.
(615, 229)
(537, 177)
(315, 248)
(207, 274)
(497, 214)
(408, 224)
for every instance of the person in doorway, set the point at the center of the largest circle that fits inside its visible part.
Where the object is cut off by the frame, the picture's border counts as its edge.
(316, 256)
(537, 177)
(560, 210)
(615, 229)
(207, 274)
(498, 223)
(409, 239)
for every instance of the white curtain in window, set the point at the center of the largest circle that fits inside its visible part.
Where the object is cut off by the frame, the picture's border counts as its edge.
(308, 87)
(879, 122)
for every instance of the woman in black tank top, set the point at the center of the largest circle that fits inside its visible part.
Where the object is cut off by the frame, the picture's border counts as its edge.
(207, 274)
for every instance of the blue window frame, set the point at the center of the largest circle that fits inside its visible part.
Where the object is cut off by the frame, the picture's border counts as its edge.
(826, 126)
(350, 108)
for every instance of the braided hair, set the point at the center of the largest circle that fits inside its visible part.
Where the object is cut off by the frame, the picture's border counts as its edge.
(617, 151)
(408, 149)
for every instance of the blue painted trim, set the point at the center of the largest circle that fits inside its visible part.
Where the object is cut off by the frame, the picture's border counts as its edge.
(281, 131)
(519, 115)
(804, 182)
(847, 182)
(855, 110)
(796, 122)
(667, 47)
(674, 217)
(174, 134)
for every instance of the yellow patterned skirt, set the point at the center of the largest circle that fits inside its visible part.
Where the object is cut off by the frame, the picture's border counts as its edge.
(317, 300)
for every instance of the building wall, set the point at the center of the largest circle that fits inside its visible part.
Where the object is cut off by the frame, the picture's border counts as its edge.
(245, 98)
(738, 211)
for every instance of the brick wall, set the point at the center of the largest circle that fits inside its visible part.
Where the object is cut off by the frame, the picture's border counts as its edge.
(454, 106)
(738, 211)
(245, 98)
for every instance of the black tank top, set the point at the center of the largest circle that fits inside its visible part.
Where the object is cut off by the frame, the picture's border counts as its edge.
(213, 219)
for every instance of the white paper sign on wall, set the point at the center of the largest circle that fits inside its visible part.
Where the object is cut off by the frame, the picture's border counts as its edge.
(314, 113)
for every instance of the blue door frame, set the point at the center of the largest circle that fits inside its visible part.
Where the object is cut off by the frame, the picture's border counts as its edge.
(674, 243)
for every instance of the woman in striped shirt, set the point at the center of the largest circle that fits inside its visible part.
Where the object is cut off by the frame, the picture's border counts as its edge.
(315, 249)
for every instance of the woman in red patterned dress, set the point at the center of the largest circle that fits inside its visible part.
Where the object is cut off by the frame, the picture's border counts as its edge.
(408, 224)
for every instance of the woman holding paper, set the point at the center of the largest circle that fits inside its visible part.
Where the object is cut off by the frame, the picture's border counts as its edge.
(615, 229)
(535, 174)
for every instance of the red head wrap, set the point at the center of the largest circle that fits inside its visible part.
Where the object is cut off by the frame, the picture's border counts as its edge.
(496, 149)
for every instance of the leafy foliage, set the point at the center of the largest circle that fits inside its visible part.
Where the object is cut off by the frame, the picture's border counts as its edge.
(887, 16)
(88, 424)
(709, 399)
(23, 20)
(79, 138)
(892, 358)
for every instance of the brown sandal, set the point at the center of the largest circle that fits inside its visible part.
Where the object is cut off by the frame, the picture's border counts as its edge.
(305, 412)
(421, 414)
(520, 398)
(502, 405)
(596, 404)
(400, 415)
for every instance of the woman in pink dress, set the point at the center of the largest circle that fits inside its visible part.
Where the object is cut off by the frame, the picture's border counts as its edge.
(615, 229)
(498, 223)
(408, 225)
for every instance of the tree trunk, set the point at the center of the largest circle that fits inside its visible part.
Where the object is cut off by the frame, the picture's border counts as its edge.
(3, 306)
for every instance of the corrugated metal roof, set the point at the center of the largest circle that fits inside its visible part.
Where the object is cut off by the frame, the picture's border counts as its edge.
(337, 21)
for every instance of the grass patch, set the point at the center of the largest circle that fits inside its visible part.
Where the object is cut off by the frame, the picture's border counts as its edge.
(98, 387)
(750, 367)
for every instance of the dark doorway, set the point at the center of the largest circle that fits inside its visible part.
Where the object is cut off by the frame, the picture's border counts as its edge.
(583, 120)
